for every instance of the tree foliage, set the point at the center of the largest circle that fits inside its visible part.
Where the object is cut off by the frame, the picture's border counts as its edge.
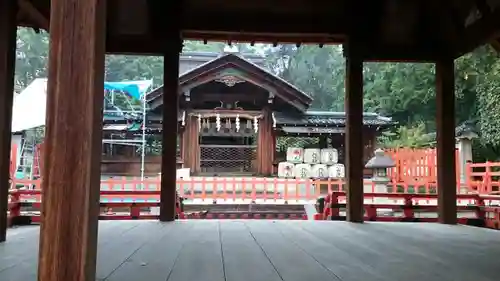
(406, 137)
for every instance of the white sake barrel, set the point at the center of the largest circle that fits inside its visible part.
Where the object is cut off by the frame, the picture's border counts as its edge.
(329, 156)
(295, 155)
(312, 155)
(302, 171)
(336, 171)
(319, 171)
(286, 170)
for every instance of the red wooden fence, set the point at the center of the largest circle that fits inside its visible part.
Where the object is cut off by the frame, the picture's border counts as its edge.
(416, 166)
(413, 168)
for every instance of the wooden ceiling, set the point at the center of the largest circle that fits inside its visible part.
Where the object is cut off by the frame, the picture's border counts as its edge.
(413, 30)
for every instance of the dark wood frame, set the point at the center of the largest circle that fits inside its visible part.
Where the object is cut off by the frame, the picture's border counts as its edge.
(78, 44)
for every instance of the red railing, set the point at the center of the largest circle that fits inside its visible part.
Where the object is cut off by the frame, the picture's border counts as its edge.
(416, 166)
(135, 199)
(482, 210)
(414, 169)
(483, 178)
(231, 190)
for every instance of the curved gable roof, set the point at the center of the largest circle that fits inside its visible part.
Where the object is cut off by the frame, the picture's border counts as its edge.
(235, 65)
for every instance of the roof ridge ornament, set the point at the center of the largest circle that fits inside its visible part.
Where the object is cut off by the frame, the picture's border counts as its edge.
(230, 80)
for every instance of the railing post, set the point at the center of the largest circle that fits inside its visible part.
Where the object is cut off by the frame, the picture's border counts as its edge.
(486, 185)
(408, 212)
(135, 211)
(371, 212)
(14, 208)
(334, 206)
(468, 178)
(480, 213)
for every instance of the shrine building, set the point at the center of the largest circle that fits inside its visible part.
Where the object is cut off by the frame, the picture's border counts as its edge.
(238, 118)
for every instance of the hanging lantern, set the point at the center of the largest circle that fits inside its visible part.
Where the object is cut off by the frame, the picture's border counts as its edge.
(249, 124)
(237, 122)
(217, 121)
(228, 123)
(199, 122)
(255, 124)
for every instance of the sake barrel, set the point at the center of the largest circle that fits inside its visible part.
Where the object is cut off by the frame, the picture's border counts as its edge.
(319, 171)
(329, 156)
(295, 155)
(336, 171)
(286, 170)
(312, 155)
(302, 171)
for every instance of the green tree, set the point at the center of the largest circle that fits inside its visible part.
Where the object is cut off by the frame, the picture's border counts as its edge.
(31, 57)
(406, 137)
(318, 72)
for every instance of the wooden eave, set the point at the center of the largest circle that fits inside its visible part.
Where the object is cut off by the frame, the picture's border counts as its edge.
(411, 30)
(34, 14)
(481, 27)
(205, 72)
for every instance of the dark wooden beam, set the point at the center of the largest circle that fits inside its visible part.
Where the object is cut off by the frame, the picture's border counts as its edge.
(482, 31)
(8, 11)
(354, 134)
(71, 178)
(150, 46)
(268, 23)
(34, 14)
(445, 123)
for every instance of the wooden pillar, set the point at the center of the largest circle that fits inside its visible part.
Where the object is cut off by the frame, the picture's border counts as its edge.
(354, 136)
(8, 11)
(191, 144)
(445, 107)
(73, 136)
(265, 145)
(180, 141)
(169, 129)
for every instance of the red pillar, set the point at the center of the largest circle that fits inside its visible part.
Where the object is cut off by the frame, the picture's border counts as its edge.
(73, 141)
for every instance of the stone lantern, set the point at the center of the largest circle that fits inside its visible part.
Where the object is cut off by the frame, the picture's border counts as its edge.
(379, 164)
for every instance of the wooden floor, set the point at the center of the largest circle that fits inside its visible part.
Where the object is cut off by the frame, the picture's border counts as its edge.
(273, 251)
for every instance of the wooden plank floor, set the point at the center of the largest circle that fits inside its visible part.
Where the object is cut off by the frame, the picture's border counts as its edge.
(273, 251)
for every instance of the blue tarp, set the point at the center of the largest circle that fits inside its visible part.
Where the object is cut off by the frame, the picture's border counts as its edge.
(136, 89)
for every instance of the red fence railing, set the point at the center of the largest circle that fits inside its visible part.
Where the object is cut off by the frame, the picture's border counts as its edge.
(483, 178)
(137, 199)
(234, 190)
(483, 211)
(414, 169)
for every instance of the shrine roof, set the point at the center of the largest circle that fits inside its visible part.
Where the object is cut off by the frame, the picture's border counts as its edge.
(328, 118)
(248, 70)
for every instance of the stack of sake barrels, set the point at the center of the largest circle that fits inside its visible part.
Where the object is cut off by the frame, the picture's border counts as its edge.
(311, 163)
